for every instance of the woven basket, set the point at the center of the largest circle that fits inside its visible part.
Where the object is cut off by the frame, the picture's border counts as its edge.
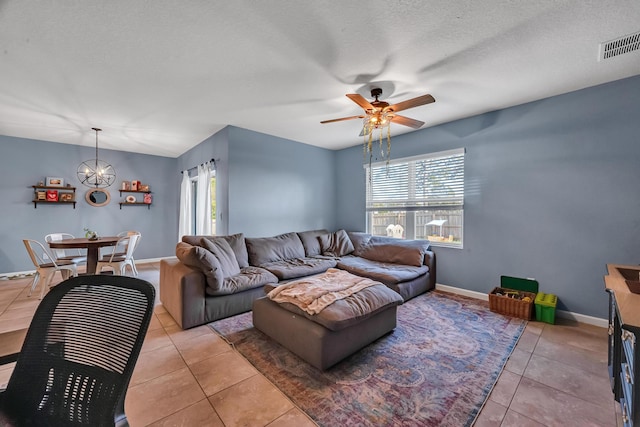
(511, 306)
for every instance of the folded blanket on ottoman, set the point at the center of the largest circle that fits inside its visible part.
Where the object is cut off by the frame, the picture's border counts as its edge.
(313, 294)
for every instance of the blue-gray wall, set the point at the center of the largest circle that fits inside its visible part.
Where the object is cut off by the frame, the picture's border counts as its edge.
(215, 147)
(25, 162)
(551, 192)
(277, 185)
(266, 185)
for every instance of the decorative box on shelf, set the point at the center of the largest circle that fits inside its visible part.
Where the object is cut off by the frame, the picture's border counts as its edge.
(512, 302)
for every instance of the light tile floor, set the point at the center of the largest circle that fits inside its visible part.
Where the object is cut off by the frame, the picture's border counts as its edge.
(556, 376)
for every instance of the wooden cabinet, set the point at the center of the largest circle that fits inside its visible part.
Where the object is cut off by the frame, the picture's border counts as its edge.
(44, 194)
(136, 198)
(623, 356)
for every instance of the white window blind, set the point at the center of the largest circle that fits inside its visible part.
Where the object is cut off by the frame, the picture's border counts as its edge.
(433, 180)
(422, 194)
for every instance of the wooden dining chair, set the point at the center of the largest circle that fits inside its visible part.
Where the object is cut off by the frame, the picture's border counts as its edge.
(120, 257)
(46, 266)
(73, 255)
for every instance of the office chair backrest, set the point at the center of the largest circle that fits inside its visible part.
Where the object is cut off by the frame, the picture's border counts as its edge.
(80, 351)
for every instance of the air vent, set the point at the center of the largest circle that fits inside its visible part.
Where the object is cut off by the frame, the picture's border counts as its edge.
(619, 46)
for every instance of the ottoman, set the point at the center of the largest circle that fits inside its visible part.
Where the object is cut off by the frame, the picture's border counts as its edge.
(341, 329)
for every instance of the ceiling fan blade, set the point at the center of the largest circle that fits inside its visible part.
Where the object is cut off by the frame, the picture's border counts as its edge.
(406, 121)
(358, 99)
(410, 103)
(341, 119)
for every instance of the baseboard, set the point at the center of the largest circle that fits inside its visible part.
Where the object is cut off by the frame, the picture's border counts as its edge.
(5, 276)
(577, 317)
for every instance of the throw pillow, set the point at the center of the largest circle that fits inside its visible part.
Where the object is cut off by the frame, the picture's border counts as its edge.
(310, 241)
(336, 244)
(263, 250)
(222, 250)
(201, 259)
(360, 241)
(236, 241)
(407, 252)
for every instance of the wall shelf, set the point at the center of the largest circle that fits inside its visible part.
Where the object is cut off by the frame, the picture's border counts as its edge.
(134, 191)
(148, 205)
(135, 203)
(71, 191)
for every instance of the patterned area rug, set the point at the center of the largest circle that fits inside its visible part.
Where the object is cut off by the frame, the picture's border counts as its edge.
(435, 369)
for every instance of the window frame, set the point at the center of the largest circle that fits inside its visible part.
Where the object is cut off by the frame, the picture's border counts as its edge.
(412, 201)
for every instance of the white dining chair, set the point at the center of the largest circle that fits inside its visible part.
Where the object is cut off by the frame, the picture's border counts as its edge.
(46, 266)
(121, 256)
(123, 250)
(73, 255)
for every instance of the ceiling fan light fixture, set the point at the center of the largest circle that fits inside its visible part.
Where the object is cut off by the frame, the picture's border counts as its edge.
(379, 121)
(378, 115)
(95, 172)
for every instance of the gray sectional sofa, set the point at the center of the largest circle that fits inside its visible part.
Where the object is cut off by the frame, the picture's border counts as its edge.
(213, 277)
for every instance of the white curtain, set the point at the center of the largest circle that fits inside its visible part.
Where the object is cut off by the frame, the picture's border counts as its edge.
(185, 226)
(203, 200)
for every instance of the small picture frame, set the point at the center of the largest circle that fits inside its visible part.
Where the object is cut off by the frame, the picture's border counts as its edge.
(54, 182)
(66, 197)
(143, 187)
(41, 195)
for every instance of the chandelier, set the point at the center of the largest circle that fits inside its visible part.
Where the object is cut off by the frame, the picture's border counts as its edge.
(95, 172)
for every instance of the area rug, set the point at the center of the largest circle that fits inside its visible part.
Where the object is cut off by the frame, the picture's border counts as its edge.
(436, 368)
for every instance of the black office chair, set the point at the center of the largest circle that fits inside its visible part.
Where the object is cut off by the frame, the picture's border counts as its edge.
(79, 353)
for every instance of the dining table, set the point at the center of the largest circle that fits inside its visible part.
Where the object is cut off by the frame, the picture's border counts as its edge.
(92, 247)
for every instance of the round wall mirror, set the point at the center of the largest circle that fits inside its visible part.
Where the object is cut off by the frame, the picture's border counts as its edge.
(98, 197)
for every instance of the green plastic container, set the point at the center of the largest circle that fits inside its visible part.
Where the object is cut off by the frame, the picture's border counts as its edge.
(546, 307)
(519, 284)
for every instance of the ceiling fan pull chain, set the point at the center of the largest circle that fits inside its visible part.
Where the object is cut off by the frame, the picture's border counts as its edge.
(388, 146)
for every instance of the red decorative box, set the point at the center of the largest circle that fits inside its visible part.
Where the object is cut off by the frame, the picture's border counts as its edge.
(52, 195)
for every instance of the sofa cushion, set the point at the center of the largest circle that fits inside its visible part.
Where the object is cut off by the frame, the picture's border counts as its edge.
(310, 241)
(236, 241)
(359, 240)
(248, 278)
(299, 267)
(385, 249)
(227, 259)
(387, 273)
(203, 260)
(263, 250)
(335, 244)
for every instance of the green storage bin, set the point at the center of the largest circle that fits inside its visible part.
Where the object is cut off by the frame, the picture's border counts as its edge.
(519, 284)
(546, 307)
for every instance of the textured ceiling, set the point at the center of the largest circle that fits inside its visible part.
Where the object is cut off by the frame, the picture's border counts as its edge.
(160, 76)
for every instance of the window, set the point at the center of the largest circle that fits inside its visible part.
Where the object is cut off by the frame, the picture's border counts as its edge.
(194, 202)
(419, 197)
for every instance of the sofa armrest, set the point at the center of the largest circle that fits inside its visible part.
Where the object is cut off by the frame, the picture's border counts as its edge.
(182, 292)
(430, 261)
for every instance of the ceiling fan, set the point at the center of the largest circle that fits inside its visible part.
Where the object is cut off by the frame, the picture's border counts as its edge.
(379, 114)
